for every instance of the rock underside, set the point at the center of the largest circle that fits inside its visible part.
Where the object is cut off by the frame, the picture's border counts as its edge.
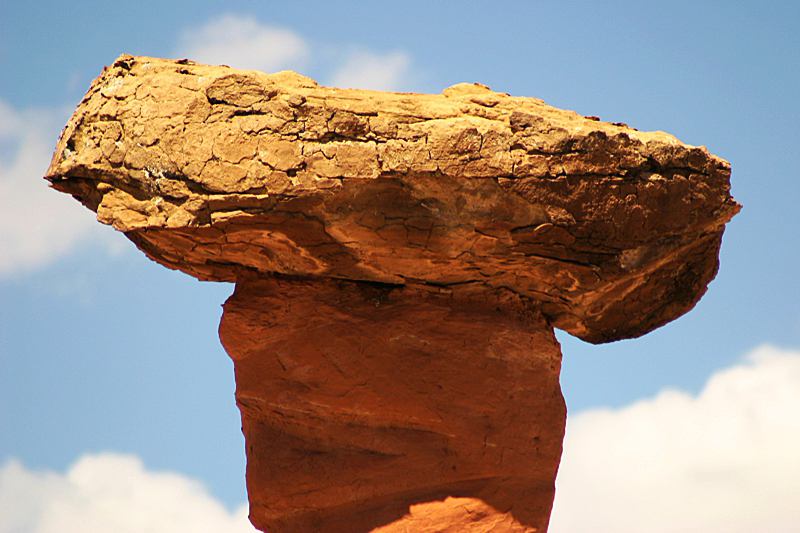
(400, 261)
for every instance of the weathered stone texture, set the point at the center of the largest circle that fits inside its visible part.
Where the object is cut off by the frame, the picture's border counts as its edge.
(211, 171)
(400, 261)
(359, 400)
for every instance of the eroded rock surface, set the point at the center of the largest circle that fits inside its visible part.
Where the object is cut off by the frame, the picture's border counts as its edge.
(400, 261)
(359, 400)
(211, 171)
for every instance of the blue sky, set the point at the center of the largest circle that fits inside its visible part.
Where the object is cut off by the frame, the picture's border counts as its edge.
(111, 363)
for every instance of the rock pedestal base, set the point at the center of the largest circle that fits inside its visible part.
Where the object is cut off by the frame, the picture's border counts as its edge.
(360, 400)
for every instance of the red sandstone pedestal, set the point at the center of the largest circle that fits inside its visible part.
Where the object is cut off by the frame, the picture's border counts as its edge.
(359, 400)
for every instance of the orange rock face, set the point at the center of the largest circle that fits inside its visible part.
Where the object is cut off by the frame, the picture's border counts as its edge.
(359, 400)
(400, 261)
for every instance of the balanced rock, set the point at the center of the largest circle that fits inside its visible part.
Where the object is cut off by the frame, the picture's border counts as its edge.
(400, 261)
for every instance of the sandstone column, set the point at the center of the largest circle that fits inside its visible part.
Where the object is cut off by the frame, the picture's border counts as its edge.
(400, 261)
(361, 399)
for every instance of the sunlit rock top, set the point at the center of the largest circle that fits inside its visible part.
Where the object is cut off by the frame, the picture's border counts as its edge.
(220, 172)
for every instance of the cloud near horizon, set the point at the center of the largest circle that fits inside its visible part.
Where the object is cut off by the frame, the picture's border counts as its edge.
(725, 460)
(110, 492)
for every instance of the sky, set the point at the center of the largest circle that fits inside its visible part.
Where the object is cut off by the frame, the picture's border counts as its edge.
(116, 398)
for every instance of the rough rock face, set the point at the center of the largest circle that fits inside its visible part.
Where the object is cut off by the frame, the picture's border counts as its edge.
(213, 171)
(400, 262)
(359, 400)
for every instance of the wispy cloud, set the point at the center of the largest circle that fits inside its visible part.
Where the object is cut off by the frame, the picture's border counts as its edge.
(244, 43)
(368, 70)
(110, 492)
(725, 460)
(37, 225)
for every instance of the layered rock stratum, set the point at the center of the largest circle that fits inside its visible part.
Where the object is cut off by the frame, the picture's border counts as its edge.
(400, 262)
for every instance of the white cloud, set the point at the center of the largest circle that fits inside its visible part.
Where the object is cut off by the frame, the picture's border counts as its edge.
(726, 460)
(244, 43)
(367, 70)
(37, 224)
(110, 492)
(9, 121)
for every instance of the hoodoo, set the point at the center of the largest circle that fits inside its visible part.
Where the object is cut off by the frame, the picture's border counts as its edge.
(400, 263)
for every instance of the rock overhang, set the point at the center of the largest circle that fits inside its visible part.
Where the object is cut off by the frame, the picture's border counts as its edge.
(222, 173)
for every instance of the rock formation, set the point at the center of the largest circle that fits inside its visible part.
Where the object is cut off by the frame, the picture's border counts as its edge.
(400, 261)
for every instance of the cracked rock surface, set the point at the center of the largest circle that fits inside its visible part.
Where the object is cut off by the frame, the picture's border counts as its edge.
(213, 171)
(400, 262)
